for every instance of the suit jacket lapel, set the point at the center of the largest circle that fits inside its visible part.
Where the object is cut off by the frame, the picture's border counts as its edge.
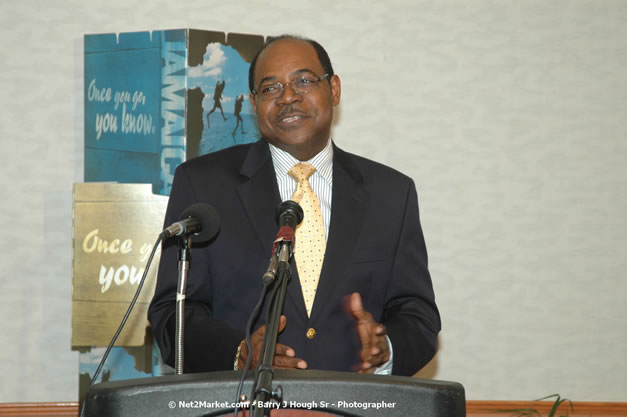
(347, 213)
(259, 194)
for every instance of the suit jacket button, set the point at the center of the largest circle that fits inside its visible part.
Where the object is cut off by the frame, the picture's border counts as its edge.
(311, 333)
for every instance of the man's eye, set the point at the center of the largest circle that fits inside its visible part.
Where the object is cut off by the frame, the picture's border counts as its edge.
(305, 82)
(269, 89)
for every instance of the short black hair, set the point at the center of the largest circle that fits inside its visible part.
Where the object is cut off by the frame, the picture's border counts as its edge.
(323, 57)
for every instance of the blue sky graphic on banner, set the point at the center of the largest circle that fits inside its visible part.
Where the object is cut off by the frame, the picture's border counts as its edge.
(228, 118)
(145, 105)
(122, 103)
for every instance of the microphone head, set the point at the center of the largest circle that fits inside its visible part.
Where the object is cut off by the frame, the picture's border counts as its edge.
(209, 221)
(289, 214)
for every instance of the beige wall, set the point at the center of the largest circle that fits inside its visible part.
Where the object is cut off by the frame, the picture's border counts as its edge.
(509, 115)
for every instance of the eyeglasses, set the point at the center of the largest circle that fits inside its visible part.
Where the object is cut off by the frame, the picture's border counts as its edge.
(302, 85)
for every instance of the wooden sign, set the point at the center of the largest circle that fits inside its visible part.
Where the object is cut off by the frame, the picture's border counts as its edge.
(115, 228)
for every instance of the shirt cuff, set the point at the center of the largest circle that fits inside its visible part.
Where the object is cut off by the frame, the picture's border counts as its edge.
(386, 368)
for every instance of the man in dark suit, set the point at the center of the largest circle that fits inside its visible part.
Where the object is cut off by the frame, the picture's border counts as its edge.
(373, 308)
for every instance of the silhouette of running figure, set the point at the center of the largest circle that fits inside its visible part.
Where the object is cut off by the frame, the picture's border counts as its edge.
(217, 97)
(238, 110)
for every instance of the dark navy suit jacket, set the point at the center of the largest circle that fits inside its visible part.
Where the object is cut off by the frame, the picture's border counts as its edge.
(375, 247)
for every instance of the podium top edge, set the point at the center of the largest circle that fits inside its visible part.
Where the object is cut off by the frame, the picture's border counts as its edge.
(280, 376)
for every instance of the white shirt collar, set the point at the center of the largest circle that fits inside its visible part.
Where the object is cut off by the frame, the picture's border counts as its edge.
(323, 161)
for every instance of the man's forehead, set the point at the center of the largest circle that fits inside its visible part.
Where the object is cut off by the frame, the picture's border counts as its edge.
(293, 74)
(286, 51)
(289, 43)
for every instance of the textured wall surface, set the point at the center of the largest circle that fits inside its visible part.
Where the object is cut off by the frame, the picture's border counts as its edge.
(510, 117)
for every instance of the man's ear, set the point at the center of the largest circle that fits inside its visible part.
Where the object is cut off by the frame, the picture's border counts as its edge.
(251, 96)
(336, 89)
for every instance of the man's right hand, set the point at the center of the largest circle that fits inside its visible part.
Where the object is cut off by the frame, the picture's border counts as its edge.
(284, 356)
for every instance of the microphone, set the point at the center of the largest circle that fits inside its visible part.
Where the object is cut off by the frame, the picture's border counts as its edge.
(288, 216)
(200, 220)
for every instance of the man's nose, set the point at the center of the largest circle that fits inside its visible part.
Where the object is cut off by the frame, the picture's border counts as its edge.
(289, 95)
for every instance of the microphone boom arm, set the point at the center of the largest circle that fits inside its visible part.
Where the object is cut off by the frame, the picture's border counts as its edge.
(181, 289)
(262, 388)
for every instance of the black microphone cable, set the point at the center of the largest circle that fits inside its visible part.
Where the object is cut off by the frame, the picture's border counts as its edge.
(262, 351)
(124, 320)
(267, 283)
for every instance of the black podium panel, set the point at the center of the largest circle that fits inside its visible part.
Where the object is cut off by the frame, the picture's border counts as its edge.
(338, 393)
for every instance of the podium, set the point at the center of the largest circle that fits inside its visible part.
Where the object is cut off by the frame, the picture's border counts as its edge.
(332, 393)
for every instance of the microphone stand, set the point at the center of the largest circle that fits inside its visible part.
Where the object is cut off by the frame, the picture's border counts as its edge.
(184, 256)
(262, 387)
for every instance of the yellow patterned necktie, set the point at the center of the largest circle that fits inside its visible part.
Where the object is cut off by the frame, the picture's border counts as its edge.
(310, 234)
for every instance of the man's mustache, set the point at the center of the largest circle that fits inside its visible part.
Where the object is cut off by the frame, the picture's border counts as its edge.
(290, 110)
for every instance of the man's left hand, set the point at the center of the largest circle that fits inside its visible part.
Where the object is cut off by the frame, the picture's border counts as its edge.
(374, 343)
